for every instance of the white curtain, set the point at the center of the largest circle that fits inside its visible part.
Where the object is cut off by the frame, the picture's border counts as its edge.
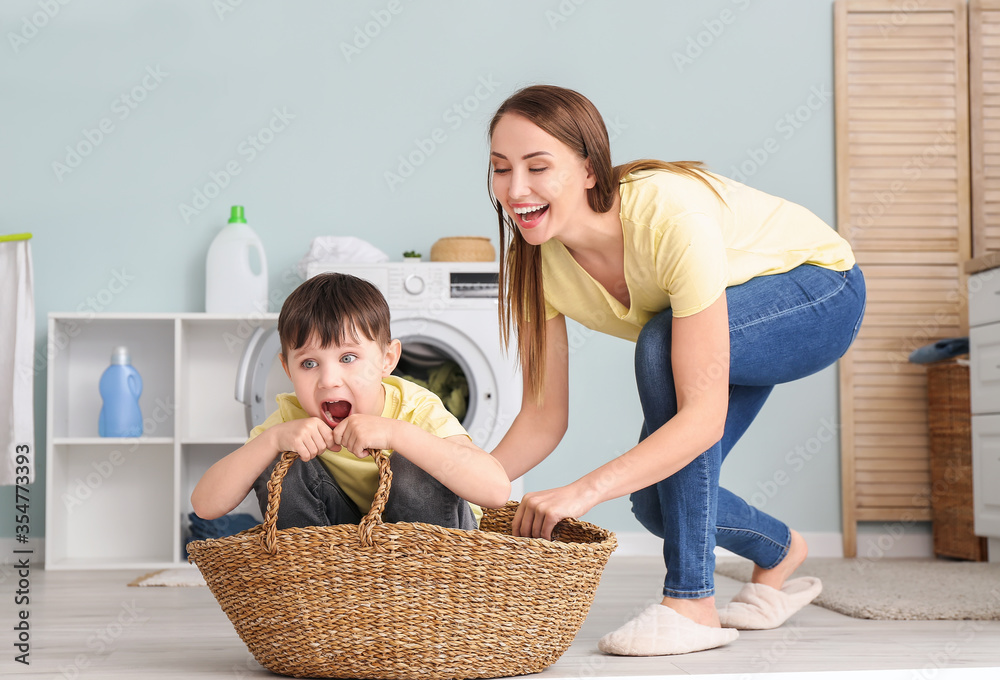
(17, 349)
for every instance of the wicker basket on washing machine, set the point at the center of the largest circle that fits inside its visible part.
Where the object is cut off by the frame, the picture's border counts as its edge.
(463, 249)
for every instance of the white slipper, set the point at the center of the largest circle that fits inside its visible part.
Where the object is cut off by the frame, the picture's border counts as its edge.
(760, 607)
(659, 630)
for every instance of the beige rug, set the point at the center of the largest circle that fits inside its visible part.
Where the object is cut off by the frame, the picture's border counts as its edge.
(897, 589)
(183, 577)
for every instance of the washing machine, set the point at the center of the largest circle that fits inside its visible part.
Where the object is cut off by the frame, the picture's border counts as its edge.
(445, 316)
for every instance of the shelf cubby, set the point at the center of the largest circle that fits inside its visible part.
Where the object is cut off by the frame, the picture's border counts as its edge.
(117, 503)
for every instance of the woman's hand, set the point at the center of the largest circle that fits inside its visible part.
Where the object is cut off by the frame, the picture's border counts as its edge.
(540, 511)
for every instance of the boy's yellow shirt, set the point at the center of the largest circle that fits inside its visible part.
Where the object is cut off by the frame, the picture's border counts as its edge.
(358, 477)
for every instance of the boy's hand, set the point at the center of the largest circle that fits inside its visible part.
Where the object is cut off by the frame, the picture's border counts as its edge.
(359, 432)
(308, 437)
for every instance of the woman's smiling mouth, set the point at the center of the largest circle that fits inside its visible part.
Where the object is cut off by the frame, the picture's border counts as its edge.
(527, 216)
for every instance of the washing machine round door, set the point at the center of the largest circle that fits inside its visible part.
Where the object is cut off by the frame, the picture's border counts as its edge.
(429, 346)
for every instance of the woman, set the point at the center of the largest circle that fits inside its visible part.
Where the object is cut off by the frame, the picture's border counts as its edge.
(725, 290)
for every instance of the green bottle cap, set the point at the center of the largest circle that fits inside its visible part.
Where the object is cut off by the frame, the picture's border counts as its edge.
(236, 215)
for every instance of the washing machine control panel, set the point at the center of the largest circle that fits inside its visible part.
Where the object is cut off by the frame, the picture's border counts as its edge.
(410, 285)
(426, 285)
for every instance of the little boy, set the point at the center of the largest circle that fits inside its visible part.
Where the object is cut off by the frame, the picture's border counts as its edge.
(337, 350)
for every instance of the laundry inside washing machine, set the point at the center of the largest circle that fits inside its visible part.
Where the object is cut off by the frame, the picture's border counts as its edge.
(434, 369)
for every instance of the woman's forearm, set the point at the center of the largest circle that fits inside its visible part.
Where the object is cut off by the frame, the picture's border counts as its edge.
(530, 439)
(541, 423)
(700, 366)
(664, 452)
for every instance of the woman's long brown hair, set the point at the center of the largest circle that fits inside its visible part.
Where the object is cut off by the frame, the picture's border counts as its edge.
(572, 119)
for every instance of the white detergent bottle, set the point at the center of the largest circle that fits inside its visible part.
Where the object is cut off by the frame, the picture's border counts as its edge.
(236, 270)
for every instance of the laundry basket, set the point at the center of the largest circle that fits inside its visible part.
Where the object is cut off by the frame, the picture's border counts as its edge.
(403, 600)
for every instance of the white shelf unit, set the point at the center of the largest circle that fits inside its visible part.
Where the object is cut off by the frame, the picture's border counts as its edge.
(123, 503)
(984, 392)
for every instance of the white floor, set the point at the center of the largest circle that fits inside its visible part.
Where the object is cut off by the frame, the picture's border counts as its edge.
(90, 624)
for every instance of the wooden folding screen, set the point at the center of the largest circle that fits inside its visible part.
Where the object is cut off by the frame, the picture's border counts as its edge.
(984, 88)
(902, 128)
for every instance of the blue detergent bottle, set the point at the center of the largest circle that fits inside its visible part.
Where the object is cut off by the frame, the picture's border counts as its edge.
(120, 388)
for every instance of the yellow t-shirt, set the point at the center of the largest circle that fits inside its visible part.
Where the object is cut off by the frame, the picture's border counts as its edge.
(358, 477)
(684, 247)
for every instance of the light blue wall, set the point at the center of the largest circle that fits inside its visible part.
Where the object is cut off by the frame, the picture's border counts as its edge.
(745, 85)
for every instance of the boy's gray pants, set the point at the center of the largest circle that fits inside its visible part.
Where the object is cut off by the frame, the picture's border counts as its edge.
(310, 497)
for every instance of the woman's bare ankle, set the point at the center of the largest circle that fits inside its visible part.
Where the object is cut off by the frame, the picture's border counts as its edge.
(798, 550)
(701, 610)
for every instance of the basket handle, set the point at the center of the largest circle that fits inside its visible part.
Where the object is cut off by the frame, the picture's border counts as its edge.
(368, 522)
(374, 516)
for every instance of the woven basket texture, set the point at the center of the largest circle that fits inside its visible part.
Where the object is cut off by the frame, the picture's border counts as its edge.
(949, 424)
(463, 249)
(404, 600)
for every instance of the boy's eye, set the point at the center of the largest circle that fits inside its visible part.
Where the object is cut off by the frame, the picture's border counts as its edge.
(348, 358)
(309, 363)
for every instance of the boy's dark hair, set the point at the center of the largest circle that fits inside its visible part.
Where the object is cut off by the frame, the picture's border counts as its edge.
(334, 306)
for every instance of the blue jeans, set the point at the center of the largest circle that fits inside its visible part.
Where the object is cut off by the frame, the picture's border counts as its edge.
(781, 328)
(312, 497)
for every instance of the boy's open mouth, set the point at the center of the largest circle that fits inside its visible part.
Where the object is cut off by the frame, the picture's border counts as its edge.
(335, 411)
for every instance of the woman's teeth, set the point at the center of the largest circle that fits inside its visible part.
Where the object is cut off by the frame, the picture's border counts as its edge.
(525, 211)
(531, 213)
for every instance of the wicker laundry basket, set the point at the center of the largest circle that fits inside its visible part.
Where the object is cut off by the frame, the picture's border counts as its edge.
(949, 426)
(403, 600)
